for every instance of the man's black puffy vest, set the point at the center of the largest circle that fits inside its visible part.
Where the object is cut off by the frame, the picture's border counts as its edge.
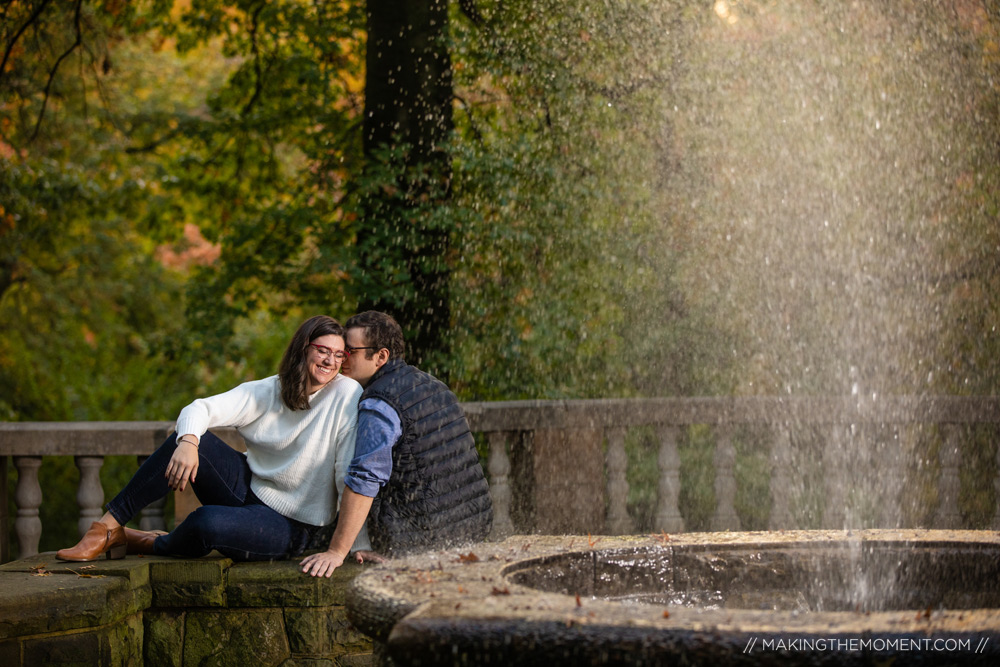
(437, 494)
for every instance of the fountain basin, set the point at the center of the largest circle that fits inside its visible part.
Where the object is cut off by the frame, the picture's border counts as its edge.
(797, 597)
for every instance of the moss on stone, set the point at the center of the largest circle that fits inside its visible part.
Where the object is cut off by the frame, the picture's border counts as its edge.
(189, 583)
(283, 584)
(163, 638)
(235, 637)
(31, 604)
(169, 612)
(125, 642)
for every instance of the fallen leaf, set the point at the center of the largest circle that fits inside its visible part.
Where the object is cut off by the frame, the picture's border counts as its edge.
(500, 591)
(84, 575)
(662, 537)
(468, 558)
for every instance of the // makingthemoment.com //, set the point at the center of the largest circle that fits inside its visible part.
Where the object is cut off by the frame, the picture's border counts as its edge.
(866, 644)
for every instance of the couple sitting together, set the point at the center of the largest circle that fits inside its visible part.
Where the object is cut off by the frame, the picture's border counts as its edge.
(347, 433)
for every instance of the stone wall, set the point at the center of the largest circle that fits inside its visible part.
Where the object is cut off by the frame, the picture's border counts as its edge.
(150, 611)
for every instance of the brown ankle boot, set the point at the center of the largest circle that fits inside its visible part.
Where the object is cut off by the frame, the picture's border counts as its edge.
(98, 540)
(141, 541)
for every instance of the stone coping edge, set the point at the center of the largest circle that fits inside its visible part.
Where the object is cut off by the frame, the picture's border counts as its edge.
(40, 595)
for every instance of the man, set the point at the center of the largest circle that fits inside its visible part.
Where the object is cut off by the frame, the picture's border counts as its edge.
(415, 473)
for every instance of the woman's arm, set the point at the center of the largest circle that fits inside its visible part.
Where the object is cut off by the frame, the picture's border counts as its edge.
(235, 407)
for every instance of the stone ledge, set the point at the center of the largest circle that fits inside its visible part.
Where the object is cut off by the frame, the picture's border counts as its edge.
(165, 611)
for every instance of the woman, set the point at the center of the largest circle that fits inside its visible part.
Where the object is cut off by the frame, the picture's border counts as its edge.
(299, 427)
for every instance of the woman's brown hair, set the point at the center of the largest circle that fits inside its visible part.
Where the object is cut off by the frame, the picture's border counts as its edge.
(293, 369)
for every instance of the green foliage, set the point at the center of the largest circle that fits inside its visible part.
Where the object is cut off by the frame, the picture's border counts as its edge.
(563, 284)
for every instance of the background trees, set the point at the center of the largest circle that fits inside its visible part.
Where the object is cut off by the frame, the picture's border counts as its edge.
(558, 199)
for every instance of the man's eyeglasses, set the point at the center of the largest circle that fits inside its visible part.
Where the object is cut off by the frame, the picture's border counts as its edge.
(351, 350)
(338, 355)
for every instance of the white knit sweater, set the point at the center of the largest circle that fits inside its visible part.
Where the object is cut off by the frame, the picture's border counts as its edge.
(297, 457)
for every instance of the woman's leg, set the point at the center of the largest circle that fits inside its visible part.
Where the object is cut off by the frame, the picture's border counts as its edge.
(252, 532)
(223, 478)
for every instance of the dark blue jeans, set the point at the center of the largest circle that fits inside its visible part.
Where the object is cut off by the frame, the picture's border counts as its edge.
(231, 520)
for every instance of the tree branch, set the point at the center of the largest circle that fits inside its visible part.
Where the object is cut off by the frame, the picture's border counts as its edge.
(55, 69)
(259, 83)
(471, 11)
(27, 24)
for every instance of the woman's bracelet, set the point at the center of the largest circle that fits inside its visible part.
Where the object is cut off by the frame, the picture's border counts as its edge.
(188, 439)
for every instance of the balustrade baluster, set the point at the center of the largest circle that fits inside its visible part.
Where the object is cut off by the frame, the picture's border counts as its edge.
(835, 478)
(668, 515)
(948, 515)
(28, 497)
(618, 521)
(996, 486)
(498, 465)
(725, 482)
(781, 480)
(892, 463)
(4, 518)
(90, 493)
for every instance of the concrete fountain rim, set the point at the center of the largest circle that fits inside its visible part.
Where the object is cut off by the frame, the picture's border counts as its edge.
(471, 585)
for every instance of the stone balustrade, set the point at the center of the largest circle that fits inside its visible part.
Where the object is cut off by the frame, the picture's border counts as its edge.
(563, 467)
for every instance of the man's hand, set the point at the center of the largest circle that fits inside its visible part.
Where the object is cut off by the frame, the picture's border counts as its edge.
(183, 466)
(323, 564)
(369, 557)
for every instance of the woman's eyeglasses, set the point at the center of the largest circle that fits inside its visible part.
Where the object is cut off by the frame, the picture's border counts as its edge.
(338, 355)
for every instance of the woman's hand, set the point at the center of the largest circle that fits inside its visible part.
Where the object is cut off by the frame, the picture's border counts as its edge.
(322, 564)
(183, 466)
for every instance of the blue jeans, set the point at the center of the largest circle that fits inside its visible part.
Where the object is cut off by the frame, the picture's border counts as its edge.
(231, 520)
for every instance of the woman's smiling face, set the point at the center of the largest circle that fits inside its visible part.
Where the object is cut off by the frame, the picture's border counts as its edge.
(326, 354)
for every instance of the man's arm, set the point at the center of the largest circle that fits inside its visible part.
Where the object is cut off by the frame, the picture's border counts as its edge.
(353, 512)
(379, 429)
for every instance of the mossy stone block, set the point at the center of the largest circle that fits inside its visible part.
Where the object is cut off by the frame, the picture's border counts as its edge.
(125, 642)
(197, 582)
(357, 660)
(323, 631)
(115, 645)
(134, 569)
(83, 649)
(250, 637)
(31, 604)
(10, 653)
(306, 630)
(164, 638)
(283, 584)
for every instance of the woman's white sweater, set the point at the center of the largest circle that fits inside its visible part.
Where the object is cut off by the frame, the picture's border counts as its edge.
(297, 457)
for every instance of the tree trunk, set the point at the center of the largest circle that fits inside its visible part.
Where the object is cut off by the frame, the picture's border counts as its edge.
(403, 243)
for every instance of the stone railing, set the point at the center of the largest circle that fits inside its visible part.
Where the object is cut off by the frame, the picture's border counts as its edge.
(563, 466)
